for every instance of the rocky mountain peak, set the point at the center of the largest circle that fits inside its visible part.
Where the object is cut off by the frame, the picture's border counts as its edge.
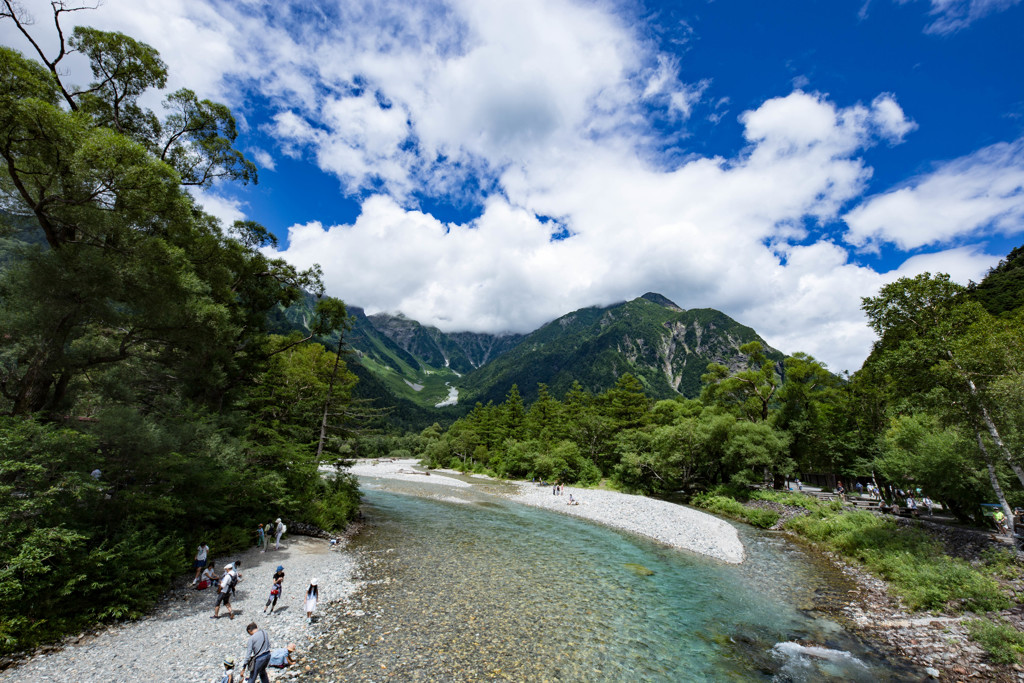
(662, 300)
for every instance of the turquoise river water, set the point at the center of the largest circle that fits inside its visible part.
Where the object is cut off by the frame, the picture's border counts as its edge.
(471, 586)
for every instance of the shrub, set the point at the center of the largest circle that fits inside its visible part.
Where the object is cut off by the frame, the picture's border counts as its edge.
(1003, 643)
(909, 559)
(729, 507)
(785, 498)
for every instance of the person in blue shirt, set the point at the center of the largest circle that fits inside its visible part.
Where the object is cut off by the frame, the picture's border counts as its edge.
(282, 656)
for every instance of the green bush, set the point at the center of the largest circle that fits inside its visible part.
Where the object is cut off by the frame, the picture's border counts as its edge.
(1003, 643)
(729, 507)
(1003, 563)
(909, 559)
(786, 498)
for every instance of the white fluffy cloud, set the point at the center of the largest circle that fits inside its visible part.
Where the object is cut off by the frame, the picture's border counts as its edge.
(710, 233)
(549, 102)
(977, 194)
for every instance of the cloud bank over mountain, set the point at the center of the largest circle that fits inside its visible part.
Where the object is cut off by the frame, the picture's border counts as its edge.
(557, 138)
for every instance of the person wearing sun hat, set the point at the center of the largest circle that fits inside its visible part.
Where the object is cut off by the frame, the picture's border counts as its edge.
(224, 594)
(229, 670)
(312, 595)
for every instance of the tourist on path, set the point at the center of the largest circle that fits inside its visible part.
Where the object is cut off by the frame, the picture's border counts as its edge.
(280, 532)
(257, 653)
(224, 594)
(261, 538)
(200, 562)
(312, 595)
(275, 592)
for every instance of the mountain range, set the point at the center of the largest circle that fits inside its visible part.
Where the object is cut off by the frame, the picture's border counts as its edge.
(425, 374)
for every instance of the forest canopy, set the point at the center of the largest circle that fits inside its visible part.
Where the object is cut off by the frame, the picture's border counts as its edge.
(145, 405)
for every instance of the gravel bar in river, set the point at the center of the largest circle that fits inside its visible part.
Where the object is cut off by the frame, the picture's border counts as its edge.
(668, 523)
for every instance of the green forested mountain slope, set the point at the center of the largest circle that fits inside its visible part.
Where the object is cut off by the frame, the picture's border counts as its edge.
(667, 348)
(1002, 289)
(463, 352)
(403, 382)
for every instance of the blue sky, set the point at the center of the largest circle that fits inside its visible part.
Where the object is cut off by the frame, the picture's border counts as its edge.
(491, 165)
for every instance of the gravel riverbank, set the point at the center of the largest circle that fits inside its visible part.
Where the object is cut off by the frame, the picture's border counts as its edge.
(671, 524)
(179, 641)
(668, 523)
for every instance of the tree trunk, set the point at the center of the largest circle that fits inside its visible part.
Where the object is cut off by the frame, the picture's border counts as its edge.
(1007, 511)
(327, 405)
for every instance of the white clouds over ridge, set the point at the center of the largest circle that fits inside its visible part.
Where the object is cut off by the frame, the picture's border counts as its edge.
(550, 102)
(697, 234)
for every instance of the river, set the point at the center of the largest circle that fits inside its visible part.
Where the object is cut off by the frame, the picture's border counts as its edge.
(469, 586)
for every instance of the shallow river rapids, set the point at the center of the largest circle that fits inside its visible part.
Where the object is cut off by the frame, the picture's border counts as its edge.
(465, 585)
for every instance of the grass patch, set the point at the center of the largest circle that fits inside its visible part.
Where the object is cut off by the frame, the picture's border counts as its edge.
(1003, 643)
(729, 507)
(911, 561)
(1002, 563)
(793, 499)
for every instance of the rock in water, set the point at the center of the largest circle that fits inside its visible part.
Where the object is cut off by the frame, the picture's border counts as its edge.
(639, 569)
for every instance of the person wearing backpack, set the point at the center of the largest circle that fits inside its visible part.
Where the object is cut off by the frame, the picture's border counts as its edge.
(224, 594)
(281, 528)
(238, 575)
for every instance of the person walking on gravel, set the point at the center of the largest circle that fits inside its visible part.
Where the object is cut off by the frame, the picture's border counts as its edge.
(200, 562)
(261, 538)
(312, 596)
(257, 653)
(224, 594)
(275, 592)
(281, 528)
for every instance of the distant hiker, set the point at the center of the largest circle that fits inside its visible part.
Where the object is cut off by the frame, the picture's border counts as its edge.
(200, 562)
(229, 671)
(554, 490)
(275, 592)
(799, 486)
(224, 594)
(912, 505)
(312, 595)
(860, 488)
(96, 474)
(261, 538)
(279, 530)
(257, 653)
(282, 657)
(928, 504)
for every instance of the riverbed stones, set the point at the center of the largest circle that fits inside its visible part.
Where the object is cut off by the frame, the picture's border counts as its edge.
(178, 641)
